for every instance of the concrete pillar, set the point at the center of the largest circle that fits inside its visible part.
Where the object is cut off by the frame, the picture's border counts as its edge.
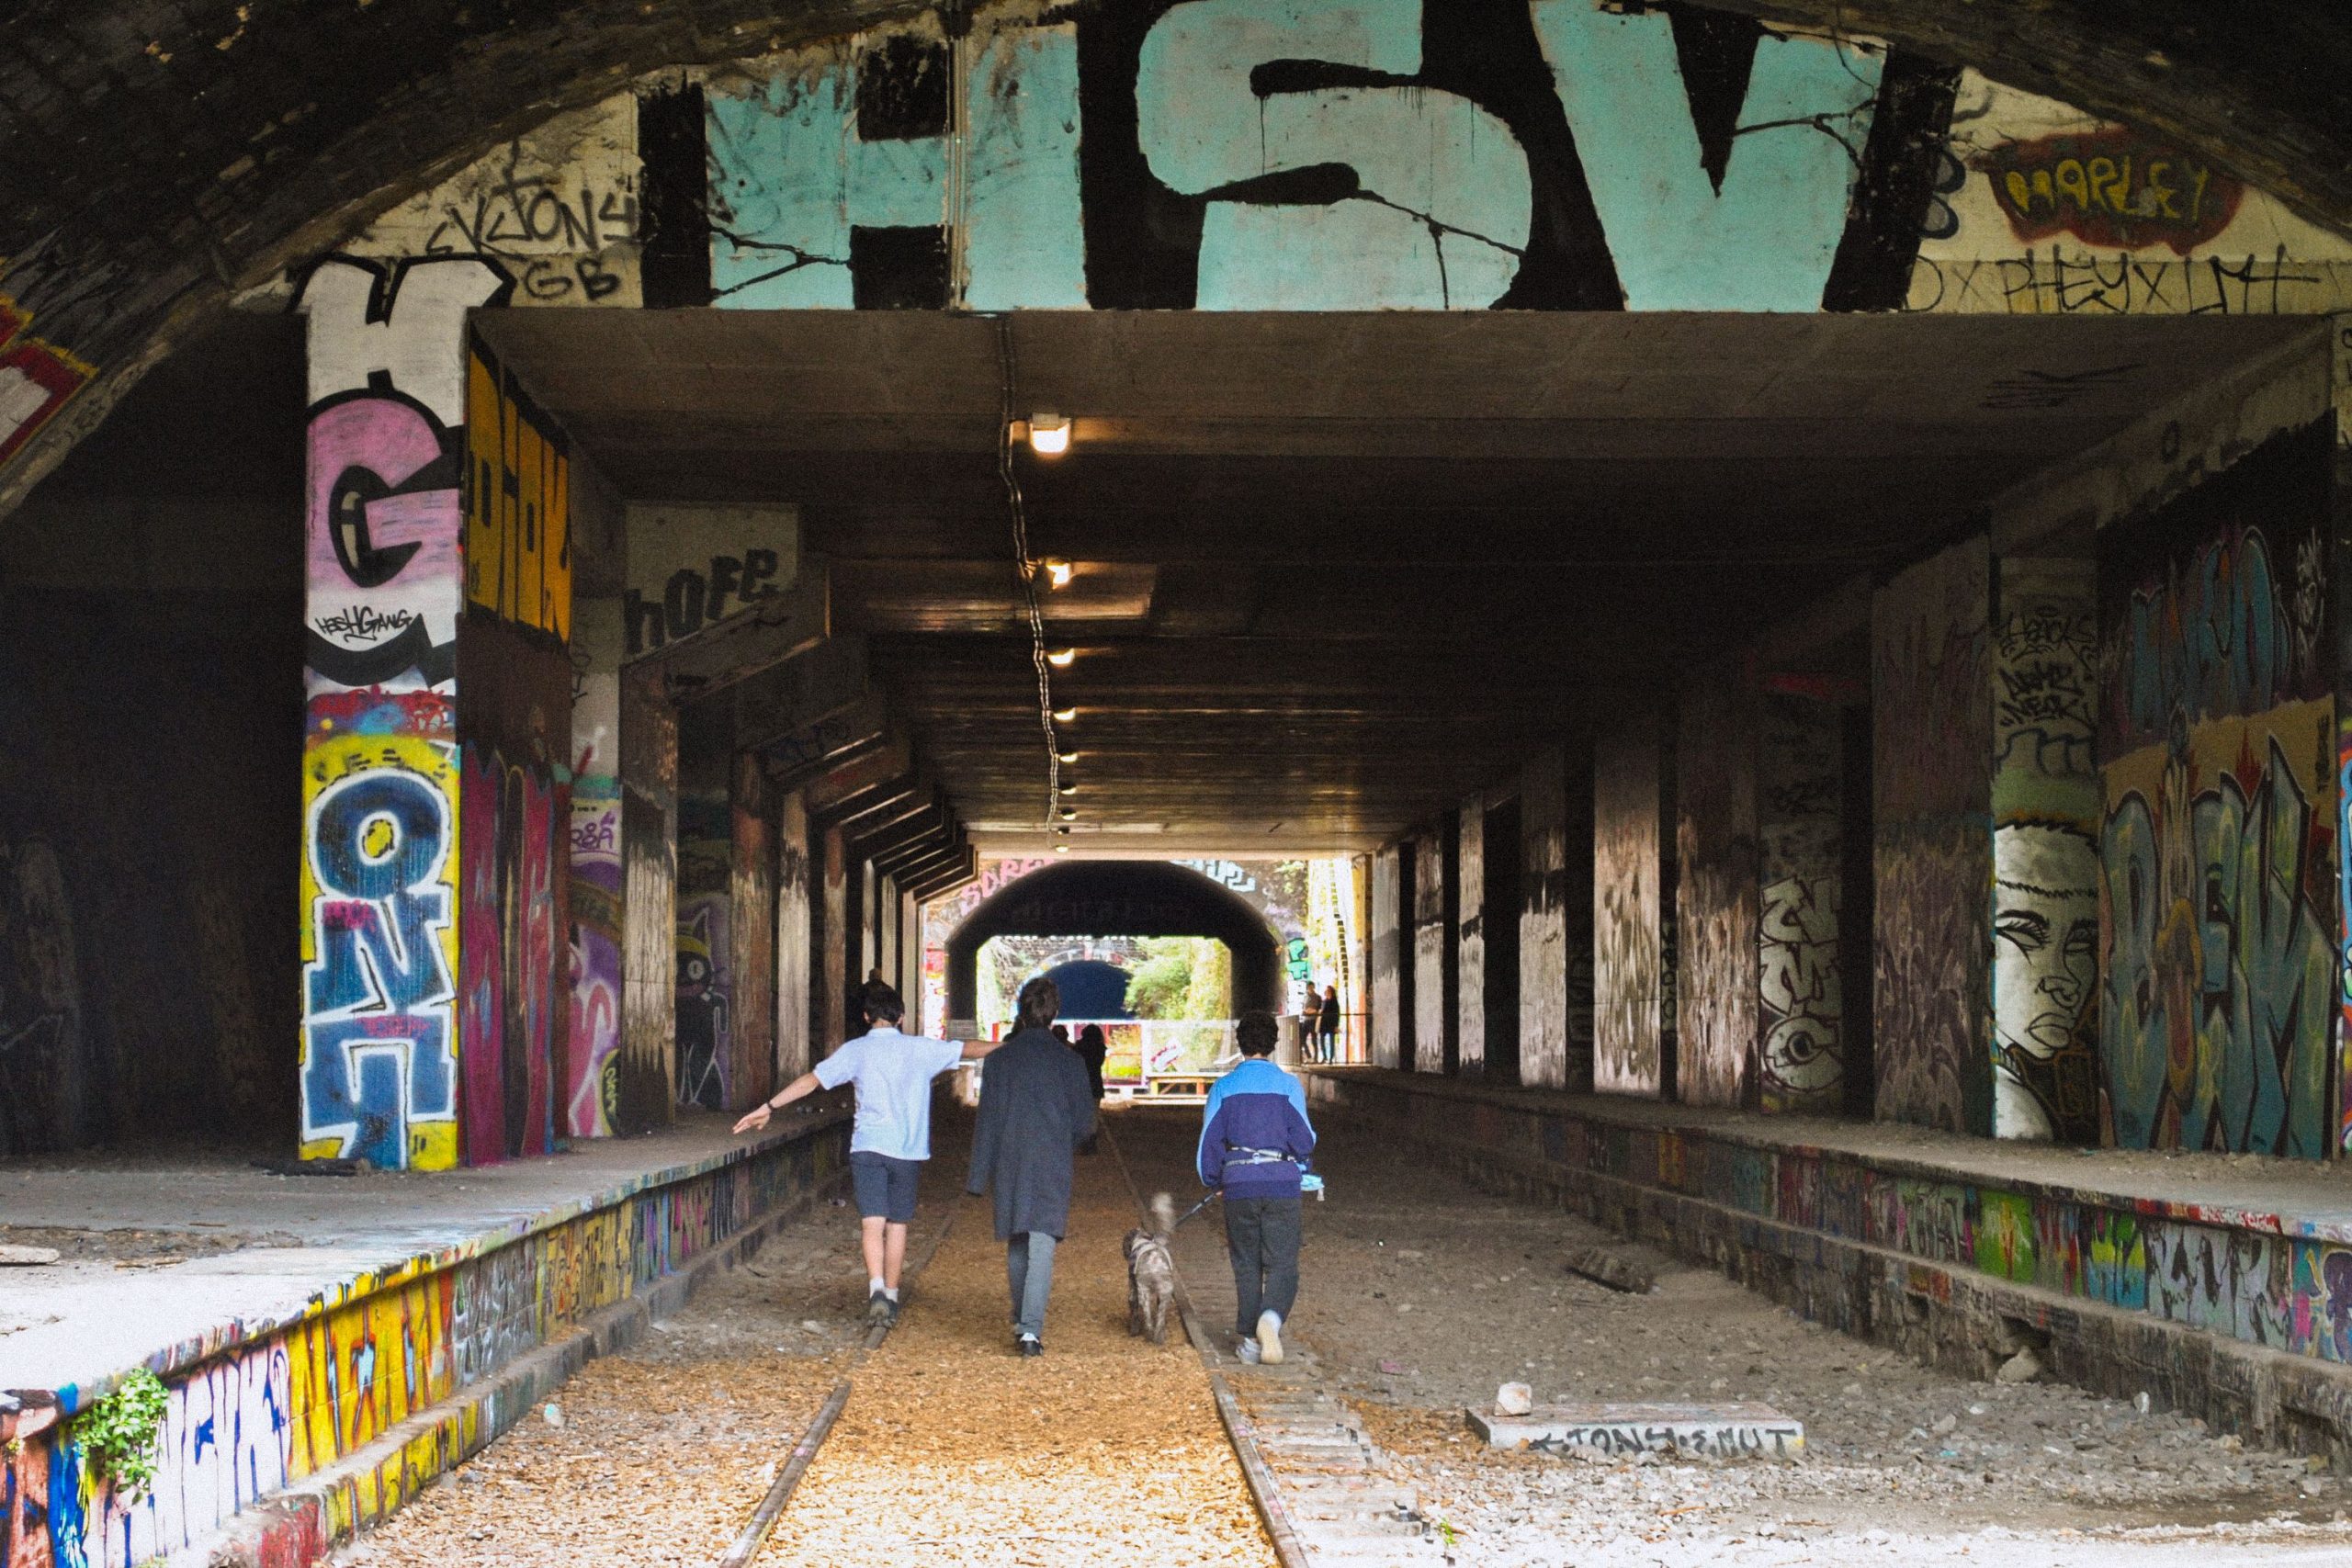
(1387, 957)
(2220, 747)
(650, 905)
(437, 816)
(832, 942)
(2045, 801)
(1800, 874)
(1931, 709)
(753, 895)
(795, 895)
(704, 1000)
(1717, 976)
(1544, 1047)
(1432, 950)
(592, 1068)
(1469, 939)
(1634, 903)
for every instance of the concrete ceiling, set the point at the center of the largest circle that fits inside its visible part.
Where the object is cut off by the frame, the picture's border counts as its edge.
(1334, 571)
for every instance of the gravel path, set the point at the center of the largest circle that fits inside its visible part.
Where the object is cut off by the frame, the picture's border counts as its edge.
(1420, 1295)
(1104, 1451)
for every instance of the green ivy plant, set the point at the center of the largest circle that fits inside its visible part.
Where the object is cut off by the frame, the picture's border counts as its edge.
(117, 1434)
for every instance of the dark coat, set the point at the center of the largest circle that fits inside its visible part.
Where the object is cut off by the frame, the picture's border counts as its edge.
(1035, 1109)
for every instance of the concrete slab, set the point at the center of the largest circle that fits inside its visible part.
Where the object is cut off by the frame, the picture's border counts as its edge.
(1689, 1431)
(290, 1241)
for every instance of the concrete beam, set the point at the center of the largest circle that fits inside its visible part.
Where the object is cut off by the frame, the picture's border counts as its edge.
(842, 735)
(949, 853)
(925, 852)
(785, 696)
(828, 797)
(922, 812)
(745, 644)
(946, 881)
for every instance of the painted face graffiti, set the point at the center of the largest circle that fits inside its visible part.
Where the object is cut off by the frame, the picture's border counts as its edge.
(2045, 929)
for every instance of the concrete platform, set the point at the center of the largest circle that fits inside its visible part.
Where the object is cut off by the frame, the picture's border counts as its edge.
(1617, 1431)
(340, 1341)
(2220, 1285)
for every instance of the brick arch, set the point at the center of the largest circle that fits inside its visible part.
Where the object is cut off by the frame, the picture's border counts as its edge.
(156, 160)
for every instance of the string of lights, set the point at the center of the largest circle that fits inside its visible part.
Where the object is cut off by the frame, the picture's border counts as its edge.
(1027, 564)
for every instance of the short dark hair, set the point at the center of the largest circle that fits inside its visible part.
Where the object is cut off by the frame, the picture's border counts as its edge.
(881, 1003)
(1040, 1004)
(1255, 1033)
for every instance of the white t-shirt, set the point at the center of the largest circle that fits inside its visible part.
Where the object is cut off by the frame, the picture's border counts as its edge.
(893, 1074)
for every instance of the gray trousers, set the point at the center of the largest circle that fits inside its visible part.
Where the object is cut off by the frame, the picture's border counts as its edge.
(1262, 1234)
(1029, 1270)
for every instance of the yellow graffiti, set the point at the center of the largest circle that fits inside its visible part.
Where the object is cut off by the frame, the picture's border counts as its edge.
(357, 1372)
(518, 505)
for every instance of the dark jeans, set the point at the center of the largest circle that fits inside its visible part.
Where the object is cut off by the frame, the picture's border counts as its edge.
(1262, 1235)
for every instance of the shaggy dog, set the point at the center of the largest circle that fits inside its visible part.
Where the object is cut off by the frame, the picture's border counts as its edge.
(1151, 1272)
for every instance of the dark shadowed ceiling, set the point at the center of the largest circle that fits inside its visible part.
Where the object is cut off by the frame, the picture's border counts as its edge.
(1334, 571)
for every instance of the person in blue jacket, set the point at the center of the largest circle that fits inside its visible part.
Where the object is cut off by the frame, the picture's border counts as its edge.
(1254, 1142)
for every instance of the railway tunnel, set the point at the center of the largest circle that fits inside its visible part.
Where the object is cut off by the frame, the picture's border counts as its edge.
(1755, 592)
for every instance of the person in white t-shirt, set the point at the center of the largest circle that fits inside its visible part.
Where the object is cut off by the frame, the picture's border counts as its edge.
(891, 1137)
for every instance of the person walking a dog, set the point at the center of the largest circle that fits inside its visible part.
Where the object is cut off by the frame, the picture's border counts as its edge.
(1036, 1108)
(891, 1137)
(1254, 1142)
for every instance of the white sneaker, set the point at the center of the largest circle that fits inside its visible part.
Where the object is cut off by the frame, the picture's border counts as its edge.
(1270, 1337)
(1248, 1350)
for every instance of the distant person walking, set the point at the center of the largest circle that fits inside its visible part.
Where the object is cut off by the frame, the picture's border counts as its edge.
(1034, 1111)
(890, 1139)
(1095, 1052)
(1254, 1142)
(1328, 1024)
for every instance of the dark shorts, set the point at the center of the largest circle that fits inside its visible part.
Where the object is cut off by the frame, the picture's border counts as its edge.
(886, 1187)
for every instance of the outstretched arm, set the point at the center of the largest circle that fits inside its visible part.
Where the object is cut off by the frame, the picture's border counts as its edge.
(976, 1049)
(799, 1087)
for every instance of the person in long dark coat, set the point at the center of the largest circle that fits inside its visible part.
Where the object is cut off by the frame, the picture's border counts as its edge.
(1095, 1052)
(1037, 1107)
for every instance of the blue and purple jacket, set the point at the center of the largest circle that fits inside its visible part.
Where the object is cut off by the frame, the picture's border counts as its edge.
(1259, 1107)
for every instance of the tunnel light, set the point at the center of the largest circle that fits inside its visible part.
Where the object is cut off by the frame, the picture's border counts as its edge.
(1069, 789)
(1048, 436)
(1062, 658)
(1057, 573)
(1065, 756)
(1061, 849)
(1063, 716)
(1069, 813)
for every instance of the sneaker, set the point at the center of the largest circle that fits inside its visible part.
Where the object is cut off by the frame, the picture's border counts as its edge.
(877, 1308)
(1029, 1345)
(1270, 1337)
(892, 1309)
(1246, 1349)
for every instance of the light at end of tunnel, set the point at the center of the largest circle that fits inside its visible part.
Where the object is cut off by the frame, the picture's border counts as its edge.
(1062, 658)
(1057, 573)
(1048, 436)
(1063, 716)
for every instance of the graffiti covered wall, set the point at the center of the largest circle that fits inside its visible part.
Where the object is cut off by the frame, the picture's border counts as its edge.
(514, 691)
(1469, 937)
(1432, 990)
(2045, 1028)
(704, 1000)
(1801, 1059)
(1390, 936)
(1545, 894)
(751, 890)
(1929, 687)
(2217, 742)
(1633, 976)
(280, 1409)
(381, 851)
(792, 954)
(592, 1067)
(1717, 987)
(649, 906)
